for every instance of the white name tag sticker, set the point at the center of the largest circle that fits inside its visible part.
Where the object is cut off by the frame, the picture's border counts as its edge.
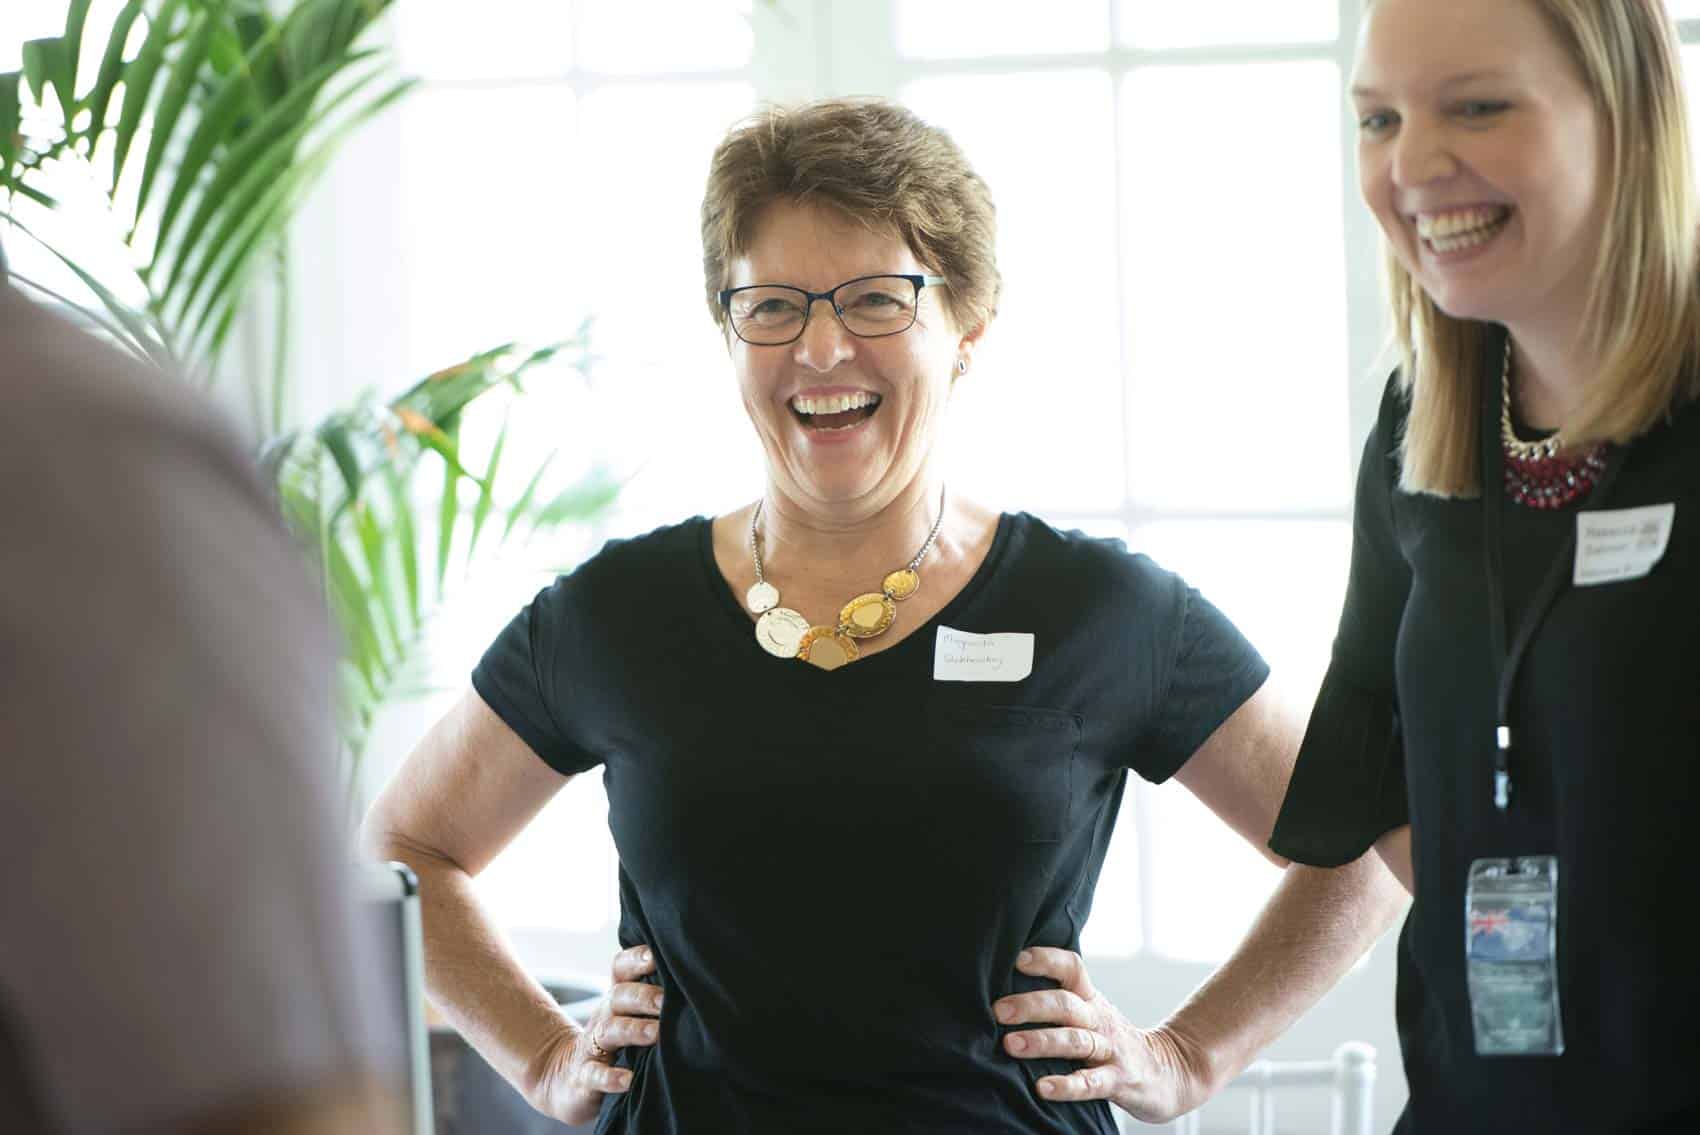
(1621, 543)
(959, 656)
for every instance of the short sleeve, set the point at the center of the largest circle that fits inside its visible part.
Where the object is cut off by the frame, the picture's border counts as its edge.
(518, 678)
(1348, 787)
(1213, 671)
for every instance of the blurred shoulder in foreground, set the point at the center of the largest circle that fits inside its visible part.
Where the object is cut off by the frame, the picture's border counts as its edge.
(178, 949)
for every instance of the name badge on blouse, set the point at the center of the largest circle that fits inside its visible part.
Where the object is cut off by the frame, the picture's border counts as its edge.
(1511, 956)
(1621, 543)
(959, 656)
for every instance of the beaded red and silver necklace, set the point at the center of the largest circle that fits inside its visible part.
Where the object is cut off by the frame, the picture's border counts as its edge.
(1537, 473)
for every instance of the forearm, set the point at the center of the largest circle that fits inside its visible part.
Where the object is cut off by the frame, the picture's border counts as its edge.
(1317, 925)
(474, 979)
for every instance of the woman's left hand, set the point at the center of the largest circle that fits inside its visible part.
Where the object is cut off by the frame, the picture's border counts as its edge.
(1152, 1074)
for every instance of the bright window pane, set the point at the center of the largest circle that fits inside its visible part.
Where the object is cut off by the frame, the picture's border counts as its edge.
(1204, 23)
(1036, 423)
(1114, 929)
(1209, 884)
(671, 407)
(489, 244)
(1684, 9)
(525, 887)
(27, 20)
(1280, 581)
(622, 37)
(965, 29)
(495, 39)
(1237, 298)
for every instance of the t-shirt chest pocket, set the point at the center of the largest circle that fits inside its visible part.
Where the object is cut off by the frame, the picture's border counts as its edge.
(1000, 772)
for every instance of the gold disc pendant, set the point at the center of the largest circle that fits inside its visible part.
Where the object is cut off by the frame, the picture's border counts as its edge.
(902, 583)
(867, 615)
(826, 648)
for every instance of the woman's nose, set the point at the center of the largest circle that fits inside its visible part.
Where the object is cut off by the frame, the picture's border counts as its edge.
(1421, 154)
(824, 342)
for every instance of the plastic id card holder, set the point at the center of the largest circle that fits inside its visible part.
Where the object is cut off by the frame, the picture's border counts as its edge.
(1511, 956)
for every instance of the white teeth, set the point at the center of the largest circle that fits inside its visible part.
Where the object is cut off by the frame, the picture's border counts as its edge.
(833, 403)
(1440, 226)
(1458, 243)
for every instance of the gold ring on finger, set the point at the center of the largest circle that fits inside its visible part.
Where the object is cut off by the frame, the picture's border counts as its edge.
(599, 1053)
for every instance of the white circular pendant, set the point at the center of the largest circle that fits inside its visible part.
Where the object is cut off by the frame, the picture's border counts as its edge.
(762, 597)
(780, 632)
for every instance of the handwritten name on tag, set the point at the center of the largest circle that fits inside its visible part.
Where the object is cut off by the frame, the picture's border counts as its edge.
(1621, 543)
(959, 656)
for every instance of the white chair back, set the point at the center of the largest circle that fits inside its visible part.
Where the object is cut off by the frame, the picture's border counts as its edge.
(1349, 1076)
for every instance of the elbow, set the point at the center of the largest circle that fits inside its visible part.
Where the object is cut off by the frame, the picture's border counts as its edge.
(377, 840)
(383, 840)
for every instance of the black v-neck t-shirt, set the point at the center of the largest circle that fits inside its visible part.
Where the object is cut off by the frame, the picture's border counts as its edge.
(836, 870)
(1605, 715)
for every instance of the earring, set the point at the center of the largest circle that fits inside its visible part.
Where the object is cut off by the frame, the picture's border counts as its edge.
(961, 366)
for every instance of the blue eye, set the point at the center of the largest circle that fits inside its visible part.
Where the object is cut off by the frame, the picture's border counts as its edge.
(1376, 122)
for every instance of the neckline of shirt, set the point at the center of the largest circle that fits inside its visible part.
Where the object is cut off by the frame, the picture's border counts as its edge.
(727, 602)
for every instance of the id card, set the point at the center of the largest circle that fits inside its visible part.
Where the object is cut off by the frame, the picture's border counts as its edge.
(1511, 956)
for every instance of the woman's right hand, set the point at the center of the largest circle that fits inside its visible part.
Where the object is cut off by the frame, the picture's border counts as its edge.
(579, 1070)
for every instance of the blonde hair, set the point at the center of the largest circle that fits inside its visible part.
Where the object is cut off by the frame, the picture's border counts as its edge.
(876, 163)
(1643, 312)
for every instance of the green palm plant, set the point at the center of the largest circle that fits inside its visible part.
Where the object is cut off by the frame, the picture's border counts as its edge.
(351, 489)
(205, 125)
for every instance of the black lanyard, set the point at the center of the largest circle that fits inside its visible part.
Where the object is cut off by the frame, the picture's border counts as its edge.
(1506, 662)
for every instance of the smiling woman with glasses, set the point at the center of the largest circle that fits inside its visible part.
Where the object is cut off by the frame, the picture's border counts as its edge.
(864, 742)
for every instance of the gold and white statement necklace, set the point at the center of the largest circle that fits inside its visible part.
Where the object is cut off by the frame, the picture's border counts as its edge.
(784, 633)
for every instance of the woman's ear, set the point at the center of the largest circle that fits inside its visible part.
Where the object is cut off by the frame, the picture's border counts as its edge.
(965, 348)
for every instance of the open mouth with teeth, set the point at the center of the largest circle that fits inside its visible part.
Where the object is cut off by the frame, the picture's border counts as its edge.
(834, 411)
(1463, 229)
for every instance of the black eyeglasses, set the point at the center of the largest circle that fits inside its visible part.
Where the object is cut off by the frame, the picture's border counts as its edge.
(869, 307)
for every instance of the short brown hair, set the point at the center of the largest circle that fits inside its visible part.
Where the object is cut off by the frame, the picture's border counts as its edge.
(1643, 315)
(875, 162)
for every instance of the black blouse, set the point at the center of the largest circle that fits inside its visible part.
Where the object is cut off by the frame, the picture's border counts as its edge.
(836, 871)
(1606, 717)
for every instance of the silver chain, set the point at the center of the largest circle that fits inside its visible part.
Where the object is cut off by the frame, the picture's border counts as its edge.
(755, 542)
(755, 538)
